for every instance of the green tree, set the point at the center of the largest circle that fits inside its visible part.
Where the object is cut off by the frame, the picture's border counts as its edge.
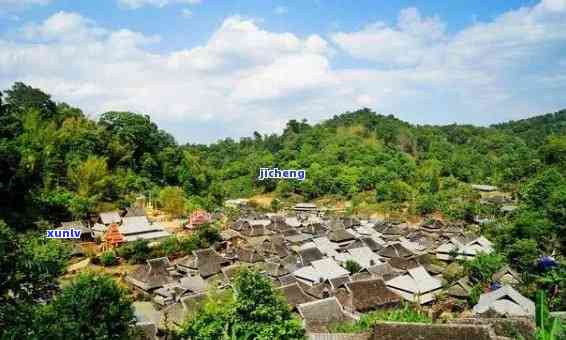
(256, 310)
(554, 150)
(22, 97)
(483, 266)
(207, 234)
(90, 307)
(134, 135)
(172, 201)
(90, 177)
(523, 254)
(29, 267)
(9, 249)
(260, 310)
(40, 262)
(135, 252)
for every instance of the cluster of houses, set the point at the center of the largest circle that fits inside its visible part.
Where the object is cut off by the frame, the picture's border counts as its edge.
(118, 227)
(306, 256)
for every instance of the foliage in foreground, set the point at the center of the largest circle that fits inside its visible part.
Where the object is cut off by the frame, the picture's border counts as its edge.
(29, 267)
(407, 313)
(91, 307)
(548, 328)
(254, 310)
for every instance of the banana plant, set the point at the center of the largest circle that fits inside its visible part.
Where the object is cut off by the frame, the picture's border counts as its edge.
(548, 328)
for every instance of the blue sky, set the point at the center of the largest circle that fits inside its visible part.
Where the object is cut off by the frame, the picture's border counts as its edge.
(208, 69)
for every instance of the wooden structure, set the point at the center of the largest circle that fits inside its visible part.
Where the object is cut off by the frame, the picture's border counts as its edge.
(198, 218)
(113, 237)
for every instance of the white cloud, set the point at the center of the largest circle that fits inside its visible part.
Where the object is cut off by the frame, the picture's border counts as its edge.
(246, 78)
(235, 77)
(480, 74)
(405, 44)
(65, 26)
(280, 10)
(135, 4)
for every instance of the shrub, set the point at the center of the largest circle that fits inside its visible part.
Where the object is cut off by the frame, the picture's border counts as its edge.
(136, 251)
(426, 204)
(188, 244)
(453, 272)
(475, 293)
(108, 258)
(275, 204)
(396, 191)
(483, 266)
(170, 246)
(352, 266)
(207, 234)
(407, 313)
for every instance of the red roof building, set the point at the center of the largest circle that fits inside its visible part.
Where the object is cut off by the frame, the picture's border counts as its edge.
(113, 237)
(198, 218)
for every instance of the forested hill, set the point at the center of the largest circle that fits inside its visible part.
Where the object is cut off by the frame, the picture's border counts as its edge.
(535, 130)
(56, 164)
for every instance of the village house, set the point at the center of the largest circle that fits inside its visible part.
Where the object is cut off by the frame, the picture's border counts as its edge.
(507, 276)
(198, 218)
(505, 301)
(308, 255)
(134, 212)
(109, 217)
(318, 315)
(395, 250)
(309, 208)
(324, 245)
(151, 276)
(384, 271)
(460, 289)
(460, 249)
(173, 316)
(320, 271)
(484, 187)
(362, 256)
(254, 227)
(367, 295)
(207, 261)
(416, 286)
(294, 294)
(341, 237)
(87, 235)
(139, 228)
(147, 318)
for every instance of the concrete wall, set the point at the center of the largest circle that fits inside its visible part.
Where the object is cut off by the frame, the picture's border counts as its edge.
(416, 331)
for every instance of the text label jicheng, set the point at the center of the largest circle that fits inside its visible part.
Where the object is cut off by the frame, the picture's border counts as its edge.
(275, 173)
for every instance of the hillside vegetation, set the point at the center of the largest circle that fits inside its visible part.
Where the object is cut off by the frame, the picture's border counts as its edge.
(57, 164)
